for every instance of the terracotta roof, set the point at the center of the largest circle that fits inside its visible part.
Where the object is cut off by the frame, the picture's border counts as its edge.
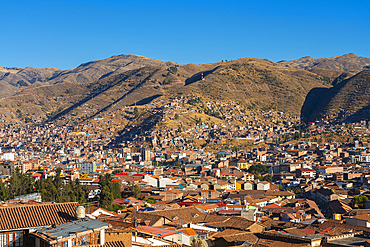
(115, 244)
(364, 217)
(110, 244)
(188, 231)
(147, 219)
(226, 232)
(246, 236)
(187, 215)
(36, 215)
(277, 224)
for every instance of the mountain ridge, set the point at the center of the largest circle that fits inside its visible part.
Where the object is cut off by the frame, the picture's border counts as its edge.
(12, 80)
(348, 62)
(254, 83)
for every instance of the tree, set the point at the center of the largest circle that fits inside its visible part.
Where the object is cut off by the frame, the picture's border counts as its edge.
(116, 171)
(267, 178)
(116, 190)
(47, 190)
(19, 183)
(136, 112)
(135, 189)
(297, 191)
(258, 169)
(360, 199)
(151, 201)
(4, 192)
(281, 187)
(106, 197)
(176, 116)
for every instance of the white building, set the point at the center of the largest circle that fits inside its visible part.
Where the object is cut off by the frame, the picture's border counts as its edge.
(87, 168)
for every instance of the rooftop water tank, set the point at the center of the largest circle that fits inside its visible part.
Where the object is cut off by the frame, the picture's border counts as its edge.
(80, 212)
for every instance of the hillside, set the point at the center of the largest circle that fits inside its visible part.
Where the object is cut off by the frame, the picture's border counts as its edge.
(349, 62)
(341, 101)
(253, 83)
(95, 70)
(12, 80)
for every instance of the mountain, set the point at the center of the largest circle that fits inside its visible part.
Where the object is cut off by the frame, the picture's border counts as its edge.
(12, 80)
(95, 70)
(349, 62)
(347, 98)
(254, 84)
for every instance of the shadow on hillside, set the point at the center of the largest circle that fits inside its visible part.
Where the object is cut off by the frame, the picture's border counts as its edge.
(312, 102)
(106, 75)
(122, 97)
(359, 115)
(198, 76)
(83, 101)
(147, 100)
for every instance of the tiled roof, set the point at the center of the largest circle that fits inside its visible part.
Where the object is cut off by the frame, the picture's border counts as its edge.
(187, 215)
(148, 219)
(244, 236)
(109, 244)
(36, 215)
(115, 244)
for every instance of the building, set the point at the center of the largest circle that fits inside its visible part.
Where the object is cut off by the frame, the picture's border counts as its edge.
(240, 163)
(84, 231)
(87, 168)
(8, 167)
(18, 221)
(359, 220)
(305, 172)
(145, 154)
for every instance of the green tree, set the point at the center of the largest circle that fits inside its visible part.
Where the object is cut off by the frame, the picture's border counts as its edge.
(359, 200)
(4, 192)
(135, 189)
(267, 178)
(116, 190)
(19, 183)
(297, 191)
(257, 169)
(106, 197)
(116, 171)
(58, 185)
(136, 112)
(47, 190)
(151, 201)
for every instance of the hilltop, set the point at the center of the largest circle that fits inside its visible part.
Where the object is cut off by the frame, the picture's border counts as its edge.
(12, 80)
(349, 62)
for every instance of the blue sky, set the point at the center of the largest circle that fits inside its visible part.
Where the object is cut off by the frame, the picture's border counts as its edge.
(64, 34)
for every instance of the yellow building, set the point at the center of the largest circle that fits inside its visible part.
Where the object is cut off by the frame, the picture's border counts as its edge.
(248, 177)
(241, 164)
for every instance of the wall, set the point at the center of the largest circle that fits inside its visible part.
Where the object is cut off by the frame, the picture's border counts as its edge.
(125, 237)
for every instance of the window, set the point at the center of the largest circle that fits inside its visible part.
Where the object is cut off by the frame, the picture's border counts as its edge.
(63, 244)
(11, 239)
(93, 238)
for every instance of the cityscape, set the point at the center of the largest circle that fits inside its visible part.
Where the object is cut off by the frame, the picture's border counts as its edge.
(200, 124)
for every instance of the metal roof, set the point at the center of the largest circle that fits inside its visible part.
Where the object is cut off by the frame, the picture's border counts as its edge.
(74, 227)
